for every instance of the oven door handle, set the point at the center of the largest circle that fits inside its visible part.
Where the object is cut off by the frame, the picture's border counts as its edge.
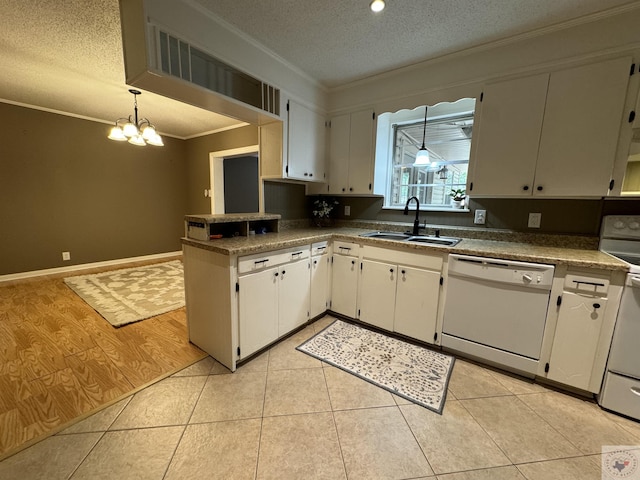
(635, 282)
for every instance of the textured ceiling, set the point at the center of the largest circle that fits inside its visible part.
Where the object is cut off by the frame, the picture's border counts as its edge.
(66, 55)
(337, 41)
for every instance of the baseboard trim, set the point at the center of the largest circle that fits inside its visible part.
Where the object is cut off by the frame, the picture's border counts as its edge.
(85, 266)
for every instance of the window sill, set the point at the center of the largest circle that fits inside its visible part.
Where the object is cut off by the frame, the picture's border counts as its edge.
(427, 209)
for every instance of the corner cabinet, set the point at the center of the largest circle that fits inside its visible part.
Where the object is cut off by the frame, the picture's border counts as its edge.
(551, 135)
(294, 148)
(351, 153)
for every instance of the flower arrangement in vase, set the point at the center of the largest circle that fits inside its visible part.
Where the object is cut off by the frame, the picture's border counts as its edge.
(322, 208)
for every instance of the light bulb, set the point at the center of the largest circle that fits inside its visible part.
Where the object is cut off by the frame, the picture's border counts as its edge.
(137, 140)
(377, 6)
(117, 134)
(422, 157)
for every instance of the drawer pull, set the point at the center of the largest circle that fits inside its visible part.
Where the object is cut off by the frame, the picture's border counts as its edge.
(595, 284)
(258, 262)
(635, 391)
(345, 248)
(296, 253)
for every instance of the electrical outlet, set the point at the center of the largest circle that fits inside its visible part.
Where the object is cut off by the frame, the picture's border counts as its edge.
(347, 210)
(480, 217)
(66, 256)
(534, 220)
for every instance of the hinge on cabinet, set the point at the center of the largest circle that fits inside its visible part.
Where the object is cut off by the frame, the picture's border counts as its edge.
(441, 280)
(481, 95)
(632, 116)
(360, 265)
(237, 287)
(435, 336)
(633, 67)
(559, 300)
(358, 313)
(238, 351)
(327, 187)
(471, 186)
(369, 186)
(611, 184)
(286, 169)
(546, 368)
(287, 105)
(373, 115)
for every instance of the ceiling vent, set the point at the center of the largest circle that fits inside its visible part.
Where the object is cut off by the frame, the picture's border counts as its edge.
(180, 59)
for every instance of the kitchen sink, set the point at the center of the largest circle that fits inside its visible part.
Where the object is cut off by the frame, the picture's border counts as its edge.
(446, 241)
(387, 235)
(406, 237)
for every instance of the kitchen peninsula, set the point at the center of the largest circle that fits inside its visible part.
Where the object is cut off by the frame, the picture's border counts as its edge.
(246, 290)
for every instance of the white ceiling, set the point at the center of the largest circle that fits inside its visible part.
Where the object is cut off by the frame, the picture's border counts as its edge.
(66, 55)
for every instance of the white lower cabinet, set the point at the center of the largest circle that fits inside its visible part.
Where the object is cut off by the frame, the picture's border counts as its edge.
(293, 296)
(258, 310)
(417, 295)
(377, 300)
(344, 278)
(320, 281)
(273, 296)
(402, 293)
(583, 331)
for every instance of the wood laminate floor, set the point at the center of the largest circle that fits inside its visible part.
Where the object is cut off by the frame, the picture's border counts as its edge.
(60, 360)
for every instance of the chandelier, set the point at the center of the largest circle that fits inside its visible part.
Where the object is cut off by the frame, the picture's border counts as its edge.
(136, 132)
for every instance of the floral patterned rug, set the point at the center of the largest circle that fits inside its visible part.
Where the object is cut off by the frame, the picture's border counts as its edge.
(132, 294)
(410, 371)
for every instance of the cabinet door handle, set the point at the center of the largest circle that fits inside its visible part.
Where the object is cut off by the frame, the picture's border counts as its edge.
(315, 262)
(283, 272)
(403, 272)
(391, 270)
(276, 274)
(306, 174)
(351, 189)
(311, 174)
(525, 188)
(596, 305)
(539, 188)
(353, 262)
(343, 189)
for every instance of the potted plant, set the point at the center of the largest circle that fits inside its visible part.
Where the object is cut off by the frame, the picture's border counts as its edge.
(457, 197)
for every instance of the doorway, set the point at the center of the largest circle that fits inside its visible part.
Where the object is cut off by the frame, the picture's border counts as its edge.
(241, 184)
(250, 187)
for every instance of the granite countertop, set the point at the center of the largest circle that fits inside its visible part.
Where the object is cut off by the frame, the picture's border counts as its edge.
(521, 251)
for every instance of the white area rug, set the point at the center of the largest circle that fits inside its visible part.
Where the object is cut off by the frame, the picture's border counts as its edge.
(132, 294)
(410, 371)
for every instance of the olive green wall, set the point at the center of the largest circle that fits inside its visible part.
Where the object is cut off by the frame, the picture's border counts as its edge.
(197, 162)
(65, 187)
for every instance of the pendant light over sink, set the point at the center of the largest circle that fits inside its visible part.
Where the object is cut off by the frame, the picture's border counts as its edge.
(422, 157)
(135, 132)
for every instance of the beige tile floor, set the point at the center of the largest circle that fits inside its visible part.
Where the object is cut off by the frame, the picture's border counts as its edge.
(285, 415)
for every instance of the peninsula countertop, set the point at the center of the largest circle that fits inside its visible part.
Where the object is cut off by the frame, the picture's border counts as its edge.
(521, 251)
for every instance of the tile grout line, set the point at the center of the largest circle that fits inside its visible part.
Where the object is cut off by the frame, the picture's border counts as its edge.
(335, 425)
(175, 449)
(414, 435)
(264, 401)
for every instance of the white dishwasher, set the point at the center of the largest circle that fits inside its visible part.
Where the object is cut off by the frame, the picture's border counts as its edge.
(496, 310)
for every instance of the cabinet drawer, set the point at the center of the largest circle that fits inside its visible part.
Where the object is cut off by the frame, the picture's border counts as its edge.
(320, 248)
(345, 248)
(260, 261)
(621, 394)
(590, 284)
(426, 260)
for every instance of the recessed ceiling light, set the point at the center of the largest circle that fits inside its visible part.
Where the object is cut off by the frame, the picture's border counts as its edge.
(377, 6)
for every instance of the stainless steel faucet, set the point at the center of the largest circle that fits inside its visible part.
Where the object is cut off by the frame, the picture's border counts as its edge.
(416, 222)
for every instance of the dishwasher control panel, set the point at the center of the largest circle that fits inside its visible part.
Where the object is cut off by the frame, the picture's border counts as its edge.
(534, 275)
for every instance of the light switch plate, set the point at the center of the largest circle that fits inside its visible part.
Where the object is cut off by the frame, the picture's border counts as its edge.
(534, 220)
(347, 210)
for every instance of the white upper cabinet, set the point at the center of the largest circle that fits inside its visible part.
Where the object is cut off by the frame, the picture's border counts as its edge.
(306, 152)
(508, 137)
(351, 152)
(294, 148)
(551, 135)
